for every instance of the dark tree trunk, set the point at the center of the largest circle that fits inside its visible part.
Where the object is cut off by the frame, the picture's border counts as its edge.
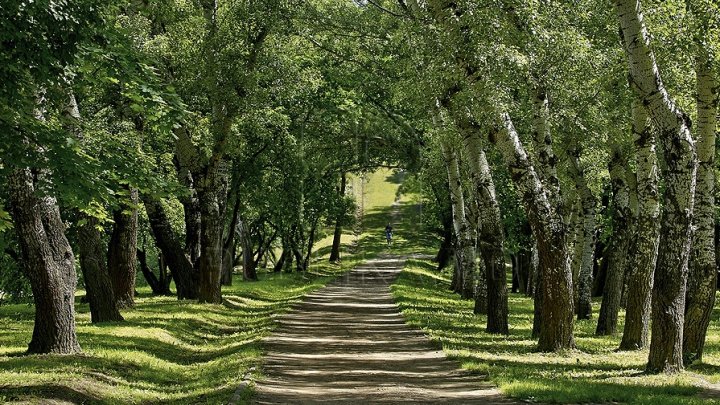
(457, 279)
(212, 210)
(248, 253)
(310, 244)
(49, 263)
(122, 251)
(229, 246)
(281, 261)
(445, 252)
(159, 286)
(98, 287)
(337, 235)
(617, 256)
(600, 269)
(515, 276)
(180, 267)
(537, 304)
(228, 262)
(299, 262)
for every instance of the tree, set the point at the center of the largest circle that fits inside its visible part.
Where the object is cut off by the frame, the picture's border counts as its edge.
(668, 300)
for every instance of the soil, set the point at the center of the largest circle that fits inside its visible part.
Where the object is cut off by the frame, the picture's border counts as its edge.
(349, 343)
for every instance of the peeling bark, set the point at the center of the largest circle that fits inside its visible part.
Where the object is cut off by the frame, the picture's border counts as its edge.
(490, 235)
(555, 304)
(647, 232)
(462, 229)
(588, 203)
(702, 278)
(668, 297)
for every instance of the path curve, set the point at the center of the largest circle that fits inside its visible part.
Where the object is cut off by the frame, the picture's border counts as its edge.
(348, 343)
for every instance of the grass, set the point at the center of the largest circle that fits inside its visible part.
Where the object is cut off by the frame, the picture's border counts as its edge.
(170, 351)
(594, 373)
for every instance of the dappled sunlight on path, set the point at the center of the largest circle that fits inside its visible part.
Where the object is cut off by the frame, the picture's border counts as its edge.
(348, 342)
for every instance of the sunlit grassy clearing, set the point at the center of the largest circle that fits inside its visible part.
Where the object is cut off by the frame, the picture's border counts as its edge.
(595, 373)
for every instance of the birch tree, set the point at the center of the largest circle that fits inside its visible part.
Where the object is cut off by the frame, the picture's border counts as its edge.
(668, 298)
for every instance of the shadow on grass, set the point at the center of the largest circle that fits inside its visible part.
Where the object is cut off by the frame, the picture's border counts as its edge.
(594, 374)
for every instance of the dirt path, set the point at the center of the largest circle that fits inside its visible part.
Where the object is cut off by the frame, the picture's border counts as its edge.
(348, 343)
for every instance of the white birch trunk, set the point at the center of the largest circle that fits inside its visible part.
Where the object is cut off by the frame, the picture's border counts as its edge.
(668, 299)
(702, 278)
(460, 224)
(557, 314)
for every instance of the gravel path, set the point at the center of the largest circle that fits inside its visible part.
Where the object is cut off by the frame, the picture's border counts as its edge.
(348, 343)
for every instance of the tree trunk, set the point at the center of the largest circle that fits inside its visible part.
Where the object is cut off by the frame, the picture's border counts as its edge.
(98, 286)
(575, 249)
(647, 232)
(556, 311)
(188, 173)
(490, 236)
(159, 286)
(180, 267)
(248, 252)
(668, 297)
(229, 245)
(460, 224)
(445, 253)
(122, 252)
(49, 263)
(588, 203)
(337, 235)
(618, 253)
(211, 194)
(600, 268)
(702, 279)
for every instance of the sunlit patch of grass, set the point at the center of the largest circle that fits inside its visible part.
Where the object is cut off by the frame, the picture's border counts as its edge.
(594, 373)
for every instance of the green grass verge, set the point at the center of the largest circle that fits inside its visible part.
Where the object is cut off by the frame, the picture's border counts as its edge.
(169, 351)
(595, 373)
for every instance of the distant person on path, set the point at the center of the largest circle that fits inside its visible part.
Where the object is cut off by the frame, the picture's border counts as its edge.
(388, 233)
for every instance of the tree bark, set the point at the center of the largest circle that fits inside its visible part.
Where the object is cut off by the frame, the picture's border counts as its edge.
(49, 263)
(647, 232)
(668, 297)
(556, 310)
(98, 286)
(188, 172)
(159, 286)
(588, 204)
(617, 256)
(122, 252)
(180, 267)
(211, 194)
(248, 252)
(702, 279)
(490, 235)
(337, 235)
(460, 224)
